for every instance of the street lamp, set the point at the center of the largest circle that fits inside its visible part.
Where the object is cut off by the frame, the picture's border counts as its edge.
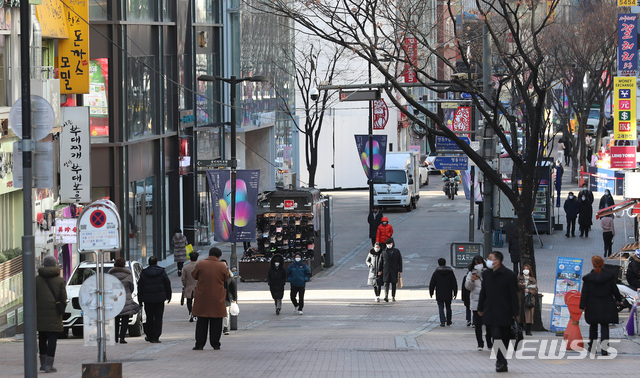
(233, 163)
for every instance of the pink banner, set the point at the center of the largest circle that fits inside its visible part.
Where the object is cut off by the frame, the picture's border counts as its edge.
(462, 119)
(623, 157)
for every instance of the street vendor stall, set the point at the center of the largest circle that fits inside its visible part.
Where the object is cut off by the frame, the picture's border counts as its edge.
(288, 222)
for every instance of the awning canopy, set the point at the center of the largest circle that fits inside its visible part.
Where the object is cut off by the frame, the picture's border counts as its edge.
(619, 207)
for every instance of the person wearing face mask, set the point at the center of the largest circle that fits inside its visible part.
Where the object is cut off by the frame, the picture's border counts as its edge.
(526, 285)
(585, 215)
(385, 231)
(373, 261)
(188, 282)
(606, 200)
(498, 304)
(587, 193)
(391, 269)
(298, 273)
(277, 278)
(374, 220)
(608, 231)
(473, 283)
(571, 209)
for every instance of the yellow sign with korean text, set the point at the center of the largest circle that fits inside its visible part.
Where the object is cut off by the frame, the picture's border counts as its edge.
(73, 53)
(627, 3)
(624, 92)
(51, 18)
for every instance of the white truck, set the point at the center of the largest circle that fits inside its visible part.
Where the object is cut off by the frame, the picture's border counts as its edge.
(401, 186)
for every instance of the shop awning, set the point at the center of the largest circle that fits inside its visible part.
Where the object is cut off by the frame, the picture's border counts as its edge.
(619, 207)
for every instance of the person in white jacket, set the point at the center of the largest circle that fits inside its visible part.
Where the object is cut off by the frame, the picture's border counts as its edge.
(473, 283)
(373, 263)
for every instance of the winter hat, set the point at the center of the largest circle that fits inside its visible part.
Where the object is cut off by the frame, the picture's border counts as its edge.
(389, 241)
(50, 261)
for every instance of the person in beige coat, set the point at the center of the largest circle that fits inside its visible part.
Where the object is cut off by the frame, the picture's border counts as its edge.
(526, 285)
(189, 283)
(209, 298)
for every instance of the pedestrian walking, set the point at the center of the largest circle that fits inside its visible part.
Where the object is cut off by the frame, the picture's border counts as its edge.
(374, 263)
(385, 231)
(374, 219)
(608, 232)
(179, 242)
(466, 299)
(561, 148)
(571, 209)
(444, 283)
(633, 270)
(391, 264)
(154, 287)
(527, 294)
(298, 273)
(189, 283)
(558, 182)
(587, 193)
(498, 304)
(606, 200)
(585, 215)
(277, 278)
(473, 283)
(513, 239)
(231, 297)
(209, 299)
(598, 301)
(130, 308)
(50, 290)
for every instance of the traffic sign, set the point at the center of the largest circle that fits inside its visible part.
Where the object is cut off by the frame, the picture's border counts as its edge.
(99, 227)
(465, 95)
(361, 95)
(462, 253)
(456, 163)
(444, 143)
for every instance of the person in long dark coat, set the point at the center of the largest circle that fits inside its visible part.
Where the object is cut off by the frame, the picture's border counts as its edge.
(559, 173)
(498, 303)
(130, 307)
(585, 215)
(154, 287)
(48, 319)
(571, 208)
(277, 279)
(374, 263)
(633, 270)
(231, 297)
(598, 301)
(444, 283)
(391, 269)
(374, 219)
(606, 200)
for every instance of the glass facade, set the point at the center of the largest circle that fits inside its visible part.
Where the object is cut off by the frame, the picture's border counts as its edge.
(141, 97)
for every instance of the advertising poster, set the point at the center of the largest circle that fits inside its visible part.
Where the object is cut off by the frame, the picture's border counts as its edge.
(247, 181)
(410, 46)
(73, 52)
(75, 162)
(568, 277)
(379, 154)
(627, 44)
(624, 91)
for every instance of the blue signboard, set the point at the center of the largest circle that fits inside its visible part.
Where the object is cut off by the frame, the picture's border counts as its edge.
(456, 163)
(465, 95)
(568, 277)
(444, 143)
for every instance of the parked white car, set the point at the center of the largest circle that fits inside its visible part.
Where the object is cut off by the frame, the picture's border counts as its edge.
(423, 170)
(73, 316)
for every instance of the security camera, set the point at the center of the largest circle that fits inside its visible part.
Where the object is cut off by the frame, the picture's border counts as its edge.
(315, 94)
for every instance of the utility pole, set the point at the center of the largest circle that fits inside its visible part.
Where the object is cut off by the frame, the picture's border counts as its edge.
(488, 148)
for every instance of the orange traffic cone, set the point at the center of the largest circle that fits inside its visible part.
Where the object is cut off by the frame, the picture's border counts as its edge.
(572, 332)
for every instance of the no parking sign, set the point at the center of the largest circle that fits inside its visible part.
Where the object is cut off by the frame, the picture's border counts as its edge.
(99, 227)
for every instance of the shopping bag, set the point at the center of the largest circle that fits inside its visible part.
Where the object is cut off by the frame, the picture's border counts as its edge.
(631, 323)
(188, 248)
(234, 309)
(400, 282)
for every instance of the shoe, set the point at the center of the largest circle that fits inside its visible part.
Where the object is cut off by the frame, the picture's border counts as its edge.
(48, 367)
(216, 348)
(116, 340)
(449, 323)
(43, 361)
(567, 235)
(277, 311)
(604, 352)
(190, 319)
(146, 338)
(480, 349)
(393, 299)
(377, 299)
(122, 341)
(300, 312)
(179, 273)
(155, 342)
(386, 299)
(501, 368)
(196, 348)
(225, 330)
(528, 333)
(441, 324)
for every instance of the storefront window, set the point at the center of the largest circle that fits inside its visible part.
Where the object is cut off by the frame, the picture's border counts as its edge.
(98, 10)
(5, 86)
(207, 109)
(142, 97)
(141, 10)
(207, 11)
(97, 100)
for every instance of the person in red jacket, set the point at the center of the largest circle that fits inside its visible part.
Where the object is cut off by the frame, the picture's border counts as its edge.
(385, 231)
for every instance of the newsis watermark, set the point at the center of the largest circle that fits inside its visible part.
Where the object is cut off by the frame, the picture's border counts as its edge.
(544, 349)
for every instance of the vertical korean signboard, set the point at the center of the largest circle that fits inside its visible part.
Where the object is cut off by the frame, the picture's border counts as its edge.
(73, 52)
(624, 91)
(75, 162)
(627, 44)
(411, 51)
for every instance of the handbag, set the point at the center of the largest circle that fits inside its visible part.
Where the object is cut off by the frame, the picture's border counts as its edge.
(516, 332)
(528, 301)
(234, 310)
(60, 306)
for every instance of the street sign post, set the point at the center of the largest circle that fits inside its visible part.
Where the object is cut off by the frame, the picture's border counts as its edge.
(361, 95)
(446, 144)
(456, 163)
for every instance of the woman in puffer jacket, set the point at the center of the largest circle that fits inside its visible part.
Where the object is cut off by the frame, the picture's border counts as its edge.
(385, 231)
(473, 283)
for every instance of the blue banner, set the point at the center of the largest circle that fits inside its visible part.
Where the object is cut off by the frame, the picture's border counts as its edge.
(379, 154)
(627, 44)
(246, 200)
(568, 277)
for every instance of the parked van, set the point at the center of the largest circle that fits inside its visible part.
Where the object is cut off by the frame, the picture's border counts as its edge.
(401, 187)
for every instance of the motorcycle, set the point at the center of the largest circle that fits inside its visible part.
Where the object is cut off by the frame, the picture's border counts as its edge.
(628, 297)
(450, 187)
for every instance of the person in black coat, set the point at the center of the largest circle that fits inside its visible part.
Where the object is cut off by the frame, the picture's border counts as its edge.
(633, 270)
(154, 287)
(374, 219)
(466, 298)
(585, 215)
(606, 200)
(444, 283)
(559, 173)
(277, 279)
(232, 297)
(587, 193)
(498, 303)
(571, 208)
(598, 301)
(391, 269)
